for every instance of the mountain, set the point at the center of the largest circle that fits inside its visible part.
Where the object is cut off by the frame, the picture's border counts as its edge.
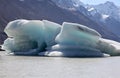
(68, 3)
(108, 14)
(73, 5)
(109, 8)
(92, 13)
(45, 9)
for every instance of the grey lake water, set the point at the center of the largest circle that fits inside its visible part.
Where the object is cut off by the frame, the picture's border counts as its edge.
(58, 67)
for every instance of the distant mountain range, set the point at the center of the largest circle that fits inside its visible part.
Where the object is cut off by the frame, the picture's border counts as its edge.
(59, 11)
(106, 14)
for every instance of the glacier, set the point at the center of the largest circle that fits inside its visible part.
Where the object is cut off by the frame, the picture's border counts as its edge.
(46, 38)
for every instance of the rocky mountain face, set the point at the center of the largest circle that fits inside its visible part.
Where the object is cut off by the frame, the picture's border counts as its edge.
(49, 10)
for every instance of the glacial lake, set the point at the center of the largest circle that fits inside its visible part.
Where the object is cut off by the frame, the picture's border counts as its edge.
(58, 67)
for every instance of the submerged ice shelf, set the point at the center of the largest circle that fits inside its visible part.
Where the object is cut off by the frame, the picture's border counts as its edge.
(46, 38)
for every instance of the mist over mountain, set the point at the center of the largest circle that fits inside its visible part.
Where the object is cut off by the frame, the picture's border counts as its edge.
(54, 10)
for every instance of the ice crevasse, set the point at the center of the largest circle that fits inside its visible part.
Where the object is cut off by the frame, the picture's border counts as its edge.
(46, 38)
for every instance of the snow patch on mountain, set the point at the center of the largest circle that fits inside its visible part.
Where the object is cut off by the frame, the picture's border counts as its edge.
(91, 9)
(105, 16)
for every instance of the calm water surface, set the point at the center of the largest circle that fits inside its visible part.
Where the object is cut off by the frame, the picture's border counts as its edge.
(58, 67)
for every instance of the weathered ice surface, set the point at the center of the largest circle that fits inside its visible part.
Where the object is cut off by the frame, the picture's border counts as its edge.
(109, 46)
(46, 38)
(30, 37)
(76, 40)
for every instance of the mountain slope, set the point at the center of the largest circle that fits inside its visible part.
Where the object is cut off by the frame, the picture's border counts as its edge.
(44, 9)
(91, 13)
(108, 14)
(108, 8)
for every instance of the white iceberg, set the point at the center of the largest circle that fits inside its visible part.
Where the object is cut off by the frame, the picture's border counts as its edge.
(46, 38)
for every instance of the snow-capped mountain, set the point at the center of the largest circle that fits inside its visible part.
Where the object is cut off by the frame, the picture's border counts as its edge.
(108, 14)
(109, 9)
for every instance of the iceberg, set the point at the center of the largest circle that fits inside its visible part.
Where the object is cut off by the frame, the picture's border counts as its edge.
(51, 30)
(76, 40)
(76, 34)
(46, 38)
(30, 36)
